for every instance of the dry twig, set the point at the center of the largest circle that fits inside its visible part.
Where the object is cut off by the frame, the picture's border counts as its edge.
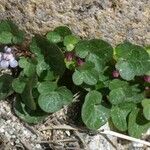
(122, 136)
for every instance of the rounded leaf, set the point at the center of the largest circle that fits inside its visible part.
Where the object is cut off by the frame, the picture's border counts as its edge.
(137, 124)
(50, 102)
(65, 94)
(18, 85)
(77, 78)
(32, 117)
(54, 37)
(90, 77)
(70, 41)
(94, 115)
(119, 115)
(63, 31)
(82, 48)
(146, 112)
(46, 87)
(6, 37)
(125, 69)
(133, 60)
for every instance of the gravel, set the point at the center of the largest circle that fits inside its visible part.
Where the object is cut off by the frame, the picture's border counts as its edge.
(112, 20)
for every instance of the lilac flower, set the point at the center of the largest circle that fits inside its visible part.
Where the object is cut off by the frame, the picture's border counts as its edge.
(13, 63)
(7, 49)
(4, 64)
(7, 59)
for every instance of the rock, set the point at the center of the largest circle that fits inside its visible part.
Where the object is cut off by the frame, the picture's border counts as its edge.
(112, 20)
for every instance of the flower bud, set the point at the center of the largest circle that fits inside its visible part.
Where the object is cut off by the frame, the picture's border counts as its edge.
(147, 79)
(115, 74)
(80, 62)
(69, 56)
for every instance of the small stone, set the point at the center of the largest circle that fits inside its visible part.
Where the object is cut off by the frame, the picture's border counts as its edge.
(2, 130)
(38, 146)
(68, 133)
(17, 141)
(13, 136)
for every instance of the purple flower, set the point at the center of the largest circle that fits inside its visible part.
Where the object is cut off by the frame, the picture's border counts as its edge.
(69, 56)
(147, 79)
(115, 74)
(80, 62)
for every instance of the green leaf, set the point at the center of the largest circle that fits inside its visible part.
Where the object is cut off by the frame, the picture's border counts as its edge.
(95, 46)
(19, 84)
(65, 94)
(82, 48)
(70, 41)
(77, 78)
(146, 112)
(54, 37)
(133, 60)
(102, 49)
(96, 51)
(137, 125)
(146, 108)
(90, 77)
(27, 95)
(55, 100)
(47, 75)
(5, 86)
(116, 83)
(29, 67)
(29, 116)
(5, 37)
(99, 63)
(41, 66)
(126, 70)
(46, 87)
(119, 115)
(85, 74)
(122, 92)
(94, 115)
(9, 33)
(145, 102)
(51, 102)
(63, 31)
(51, 52)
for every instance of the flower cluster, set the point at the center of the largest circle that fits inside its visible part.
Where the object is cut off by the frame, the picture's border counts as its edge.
(7, 58)
(70, 56)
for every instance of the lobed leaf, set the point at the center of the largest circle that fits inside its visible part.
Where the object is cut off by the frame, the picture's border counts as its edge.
(9, 33)
(29, 116)
(70, 41)
(55, 100)
(137, 124)
(133, 60)
(94, 114)
(63, 31)
(54, 37)
(119, 115)
(28, 65)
